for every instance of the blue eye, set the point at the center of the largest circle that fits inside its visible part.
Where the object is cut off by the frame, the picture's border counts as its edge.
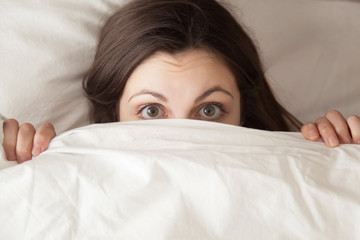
(152, 111)
(210, 111)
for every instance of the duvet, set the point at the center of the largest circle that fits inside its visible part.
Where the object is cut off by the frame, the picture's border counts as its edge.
(182, 179)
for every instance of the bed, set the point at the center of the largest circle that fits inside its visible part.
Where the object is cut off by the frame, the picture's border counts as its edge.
(179, 179)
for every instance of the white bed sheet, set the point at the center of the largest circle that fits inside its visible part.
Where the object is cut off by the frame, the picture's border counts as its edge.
(182, 179)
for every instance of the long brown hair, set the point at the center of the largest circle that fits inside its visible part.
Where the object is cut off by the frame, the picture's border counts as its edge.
(143, 27)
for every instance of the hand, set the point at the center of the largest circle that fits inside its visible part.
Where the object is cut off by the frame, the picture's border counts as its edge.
(21, 142)
(333, 129)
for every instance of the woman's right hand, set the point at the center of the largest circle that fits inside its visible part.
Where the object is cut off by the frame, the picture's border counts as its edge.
(22, 142)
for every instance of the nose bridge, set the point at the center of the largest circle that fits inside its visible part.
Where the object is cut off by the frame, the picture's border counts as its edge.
(180, 115)
(182, 94)
(181, 106)
(183, 111)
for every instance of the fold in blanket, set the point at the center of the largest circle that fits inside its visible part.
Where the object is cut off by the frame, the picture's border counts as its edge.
(182, 179)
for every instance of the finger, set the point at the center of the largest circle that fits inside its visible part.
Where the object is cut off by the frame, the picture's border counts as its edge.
(354, 125)
(42, 138)
(24, 142)
(340, 126)
(310, 132)
(327, 132)
(10, 129)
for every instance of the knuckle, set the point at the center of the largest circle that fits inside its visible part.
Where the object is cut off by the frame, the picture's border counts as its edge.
(26, 128)
(11, 122)
(333, 113)
(46, 131)
(326, 130)
(41, 139)
(353, 119)
(320, 119)
(303, 128)
(48, 125)
(307, 126)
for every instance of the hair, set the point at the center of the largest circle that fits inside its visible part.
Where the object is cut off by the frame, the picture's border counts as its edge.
(143, 27)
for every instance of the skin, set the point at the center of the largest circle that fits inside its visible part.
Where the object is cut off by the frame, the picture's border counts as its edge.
(22, 142)
(208, 91)
(333, 129)
(184, 85)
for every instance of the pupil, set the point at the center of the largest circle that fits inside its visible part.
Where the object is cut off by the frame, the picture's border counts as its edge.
(209, 111)
(152, 112)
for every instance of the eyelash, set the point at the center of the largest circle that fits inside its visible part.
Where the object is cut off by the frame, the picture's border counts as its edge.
(221, 106)
(142, 107)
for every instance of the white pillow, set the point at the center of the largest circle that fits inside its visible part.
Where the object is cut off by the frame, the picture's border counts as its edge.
(310, 49)
(311, 52)
(46, 48)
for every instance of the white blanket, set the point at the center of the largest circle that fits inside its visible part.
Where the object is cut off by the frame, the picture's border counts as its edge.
(182, 179)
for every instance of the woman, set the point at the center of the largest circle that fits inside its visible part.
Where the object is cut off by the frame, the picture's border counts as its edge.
(180, 59)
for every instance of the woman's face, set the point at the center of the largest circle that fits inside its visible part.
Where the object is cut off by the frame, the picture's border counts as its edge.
(194, 84)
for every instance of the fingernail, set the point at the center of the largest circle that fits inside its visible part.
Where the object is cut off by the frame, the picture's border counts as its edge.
(333, 141)
(36, 150)
(313, 135)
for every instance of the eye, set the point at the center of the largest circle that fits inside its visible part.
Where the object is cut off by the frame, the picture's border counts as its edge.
(152, 111)
(211, 111)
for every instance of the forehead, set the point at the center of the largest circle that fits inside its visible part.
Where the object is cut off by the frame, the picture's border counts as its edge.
(192, 66)
(182, 60)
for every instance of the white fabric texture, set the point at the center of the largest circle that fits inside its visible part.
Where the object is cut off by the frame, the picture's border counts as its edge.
(310, 49)
(182, 179)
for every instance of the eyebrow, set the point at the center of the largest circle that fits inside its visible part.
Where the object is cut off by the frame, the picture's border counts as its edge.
(148, 92)
(198, 99)
(211, 91)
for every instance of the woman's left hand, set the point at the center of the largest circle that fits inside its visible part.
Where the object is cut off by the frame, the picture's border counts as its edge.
(333, 129)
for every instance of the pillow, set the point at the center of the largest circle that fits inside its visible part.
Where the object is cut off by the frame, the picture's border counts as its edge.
(46, 48)
(310, 50)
